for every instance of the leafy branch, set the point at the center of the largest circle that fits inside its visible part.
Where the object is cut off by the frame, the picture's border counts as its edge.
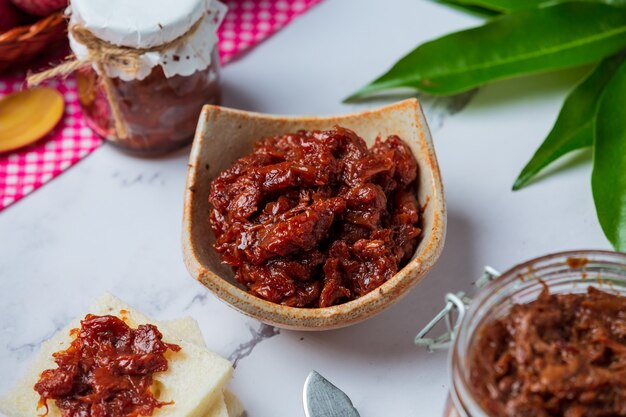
(524, 37)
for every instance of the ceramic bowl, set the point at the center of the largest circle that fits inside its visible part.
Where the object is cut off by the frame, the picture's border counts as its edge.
(225, 135)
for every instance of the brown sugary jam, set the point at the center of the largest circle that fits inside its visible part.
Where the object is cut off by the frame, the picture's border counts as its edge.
(107, 371)
(563, 355)
(315, 218)
(159, 113)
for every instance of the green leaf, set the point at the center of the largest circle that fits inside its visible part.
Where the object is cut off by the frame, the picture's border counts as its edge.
(500, 6)
(531, 41)
(469, 8)
(574, 127)
(508, 6)
(608, 180)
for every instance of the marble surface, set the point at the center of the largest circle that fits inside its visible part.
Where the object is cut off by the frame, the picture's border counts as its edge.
(113, 223)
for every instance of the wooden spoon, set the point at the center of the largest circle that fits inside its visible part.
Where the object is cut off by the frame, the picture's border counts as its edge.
(27, 116)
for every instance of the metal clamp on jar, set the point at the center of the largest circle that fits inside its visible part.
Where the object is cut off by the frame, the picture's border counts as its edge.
(560, 273)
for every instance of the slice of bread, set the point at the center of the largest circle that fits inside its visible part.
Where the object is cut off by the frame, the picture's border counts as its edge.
(194, 380)
(234, 406)
(219, 409)
(187, 328)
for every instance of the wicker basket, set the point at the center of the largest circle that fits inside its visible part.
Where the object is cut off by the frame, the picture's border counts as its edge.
(22, 44)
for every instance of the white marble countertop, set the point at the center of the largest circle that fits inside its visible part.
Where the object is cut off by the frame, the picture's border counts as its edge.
(113, 223)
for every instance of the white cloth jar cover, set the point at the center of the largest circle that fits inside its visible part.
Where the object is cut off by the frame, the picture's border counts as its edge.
(145, 24)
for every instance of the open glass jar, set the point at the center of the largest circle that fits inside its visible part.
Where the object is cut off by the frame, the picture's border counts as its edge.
(148, 73)
(561, 273)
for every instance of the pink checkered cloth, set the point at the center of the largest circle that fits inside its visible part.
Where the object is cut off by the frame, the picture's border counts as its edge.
(23, 171)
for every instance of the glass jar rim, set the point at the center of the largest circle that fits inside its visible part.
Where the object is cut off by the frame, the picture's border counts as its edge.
(526, 273)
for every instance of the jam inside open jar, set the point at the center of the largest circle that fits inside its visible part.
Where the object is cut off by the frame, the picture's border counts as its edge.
(569, 277)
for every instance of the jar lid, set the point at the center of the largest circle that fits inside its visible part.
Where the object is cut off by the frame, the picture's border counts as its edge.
(138, 23)
(143, 24)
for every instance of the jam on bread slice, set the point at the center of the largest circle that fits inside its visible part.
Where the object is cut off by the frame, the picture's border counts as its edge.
(194, 379)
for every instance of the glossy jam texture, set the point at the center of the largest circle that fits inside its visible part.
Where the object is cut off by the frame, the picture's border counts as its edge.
(315, 218)
(159, 113)
(107, 371)
(562, 355)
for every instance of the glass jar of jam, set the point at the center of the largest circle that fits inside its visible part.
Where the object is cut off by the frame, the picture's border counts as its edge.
(147, 96)
(545, 338)
(159, 113)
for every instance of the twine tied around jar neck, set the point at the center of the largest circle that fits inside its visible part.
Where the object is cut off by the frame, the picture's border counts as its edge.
(102, 53)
